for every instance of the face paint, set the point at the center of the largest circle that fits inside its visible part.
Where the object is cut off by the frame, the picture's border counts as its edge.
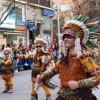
(38, 46)
(68, 37)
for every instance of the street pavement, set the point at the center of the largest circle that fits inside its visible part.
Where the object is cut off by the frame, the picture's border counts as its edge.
(22, 88)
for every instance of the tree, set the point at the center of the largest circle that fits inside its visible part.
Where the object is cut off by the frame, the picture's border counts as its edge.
(9, 7)
(7, 11)
(55, 28)
(90, 8)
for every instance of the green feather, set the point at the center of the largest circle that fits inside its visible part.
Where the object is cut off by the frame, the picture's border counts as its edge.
(75, 18)
(89, 26)
(93, 28)
(94, 33)
(90, 43)
(86, 19)
(93, 38)
(82, 19)
(70, 17)
(89, 46)
(79, 18)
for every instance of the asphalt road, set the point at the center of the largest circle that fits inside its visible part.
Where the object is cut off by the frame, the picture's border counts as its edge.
(22, 88)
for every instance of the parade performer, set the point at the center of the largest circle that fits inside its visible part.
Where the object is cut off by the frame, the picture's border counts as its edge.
(40, 57)
(7, 70)
(77, 75)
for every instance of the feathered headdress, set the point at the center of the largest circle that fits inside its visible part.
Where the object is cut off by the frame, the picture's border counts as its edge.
(7, 50)
(42, 42)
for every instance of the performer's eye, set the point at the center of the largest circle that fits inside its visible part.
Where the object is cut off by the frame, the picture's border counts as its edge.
(68, 36)
(38, 46)
(6, 54)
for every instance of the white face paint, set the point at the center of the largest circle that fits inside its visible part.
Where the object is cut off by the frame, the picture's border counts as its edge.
(38, 47)
(68, 43)
(69, 38)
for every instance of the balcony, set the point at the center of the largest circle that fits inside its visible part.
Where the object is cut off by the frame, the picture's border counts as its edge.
(33, 1)
(45, 3)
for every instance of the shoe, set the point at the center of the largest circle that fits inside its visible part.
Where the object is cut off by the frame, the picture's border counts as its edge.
(5, 91)
(26, 64)
(16, 71)
(58, 92)
(11, 90)
(34, 97)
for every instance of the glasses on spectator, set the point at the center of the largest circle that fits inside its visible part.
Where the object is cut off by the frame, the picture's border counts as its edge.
(38, 46)
(68, 37)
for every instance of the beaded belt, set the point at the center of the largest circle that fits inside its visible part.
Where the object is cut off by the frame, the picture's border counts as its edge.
(7, 71)
(77, 94)
(35, 71)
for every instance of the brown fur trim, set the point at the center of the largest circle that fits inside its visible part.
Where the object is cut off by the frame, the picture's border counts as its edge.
(7, 50)
(41, 42)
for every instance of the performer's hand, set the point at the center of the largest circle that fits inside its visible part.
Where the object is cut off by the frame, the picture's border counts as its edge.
(73, 84)
(39, 79)
(41, 71)
(86, 53)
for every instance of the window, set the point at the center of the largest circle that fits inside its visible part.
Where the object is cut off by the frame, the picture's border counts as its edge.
(18, 14)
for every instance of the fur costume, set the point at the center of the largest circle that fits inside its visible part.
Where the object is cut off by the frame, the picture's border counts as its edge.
(40, 65)
(7, 70)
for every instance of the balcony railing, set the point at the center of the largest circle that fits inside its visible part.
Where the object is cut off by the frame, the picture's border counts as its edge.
(45, 3)
(33, 1)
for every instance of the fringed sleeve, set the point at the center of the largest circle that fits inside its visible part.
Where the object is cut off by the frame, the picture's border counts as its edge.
(48, 77)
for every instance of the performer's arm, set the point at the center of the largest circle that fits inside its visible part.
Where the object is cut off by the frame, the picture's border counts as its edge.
(51, 72)
(19, 56)
(91, 67)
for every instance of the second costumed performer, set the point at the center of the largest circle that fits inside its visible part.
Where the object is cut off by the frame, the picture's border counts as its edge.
(40, 58)
(77, 75)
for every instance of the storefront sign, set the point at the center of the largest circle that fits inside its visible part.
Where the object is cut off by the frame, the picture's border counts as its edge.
(9, 23)
(31, 26)
(21, 26)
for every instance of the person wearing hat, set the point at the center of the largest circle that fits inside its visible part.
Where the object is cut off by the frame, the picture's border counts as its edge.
(7, 70)
(78, 75)
(40, 57)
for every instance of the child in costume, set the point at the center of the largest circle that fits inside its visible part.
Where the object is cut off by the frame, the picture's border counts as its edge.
(41, 59)
(77, 75)
(7, 70)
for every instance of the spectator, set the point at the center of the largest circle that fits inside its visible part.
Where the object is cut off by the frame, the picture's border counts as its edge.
(55, 55)
(3, 46)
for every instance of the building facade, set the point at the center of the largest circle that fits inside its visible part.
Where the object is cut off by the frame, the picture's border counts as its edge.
(25, 21)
